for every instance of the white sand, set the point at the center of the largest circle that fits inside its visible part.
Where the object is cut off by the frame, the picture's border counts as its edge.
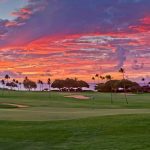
(78, 97)
(17, 105)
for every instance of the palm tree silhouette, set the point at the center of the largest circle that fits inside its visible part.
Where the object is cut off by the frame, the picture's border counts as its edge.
(7, 77)
(17, 82)
(122, 71)
(93, 78)
(20, 85)
(13, 81)
(109, 78)
(40, 82)
(143, 79)
(102, 78)
(97, 76)
(49, 83)
(3, 83)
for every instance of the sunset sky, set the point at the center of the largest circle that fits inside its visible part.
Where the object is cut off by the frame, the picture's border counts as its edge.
(74, 38)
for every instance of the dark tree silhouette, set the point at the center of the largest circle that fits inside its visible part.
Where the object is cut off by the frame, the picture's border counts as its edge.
(7, 77)
(143, 80)
(97, 76)
(40, 82)
(58, 84)
(11, 85)
(93, 78)
(102, 78)
(109, 78)
(49, 83)
(28, 84)
(20, 85)
(122, 71)
(69, 84)
(17, 82)
(3, 83)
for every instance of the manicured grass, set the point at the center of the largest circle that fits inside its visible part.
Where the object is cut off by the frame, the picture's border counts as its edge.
(54, 106)
(54, 99)
(118, 132)
(53, 122)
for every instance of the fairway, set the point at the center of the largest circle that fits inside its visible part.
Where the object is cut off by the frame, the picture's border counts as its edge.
(42, 120)
(43, 106)
(45, 114)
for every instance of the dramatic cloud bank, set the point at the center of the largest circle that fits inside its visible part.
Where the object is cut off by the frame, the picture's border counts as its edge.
(77, 38)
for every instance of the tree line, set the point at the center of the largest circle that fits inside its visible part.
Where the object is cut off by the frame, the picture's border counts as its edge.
(122, 85)
(69, 84)
(63, 85)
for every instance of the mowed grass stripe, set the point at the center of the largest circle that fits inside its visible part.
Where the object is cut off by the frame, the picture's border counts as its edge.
(40, 114)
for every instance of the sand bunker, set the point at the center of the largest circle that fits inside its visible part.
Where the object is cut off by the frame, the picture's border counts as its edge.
(78, 97)
(15, 105)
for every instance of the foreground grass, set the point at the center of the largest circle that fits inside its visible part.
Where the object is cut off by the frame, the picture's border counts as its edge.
(108, 131)
(118, 132)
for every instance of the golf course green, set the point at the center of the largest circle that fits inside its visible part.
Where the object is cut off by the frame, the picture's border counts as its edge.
(64, 121)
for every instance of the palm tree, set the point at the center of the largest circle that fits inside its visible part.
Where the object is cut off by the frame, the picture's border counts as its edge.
(143, 79)
(122, 71)
(29, 84)
(17, 82)
(40, 82)
(13, 81)
(93, 78)
(49, 83)
(109, 78)
(102, 78)
(97, 76)
(3, 83)
(20, 85)
(7, 77)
